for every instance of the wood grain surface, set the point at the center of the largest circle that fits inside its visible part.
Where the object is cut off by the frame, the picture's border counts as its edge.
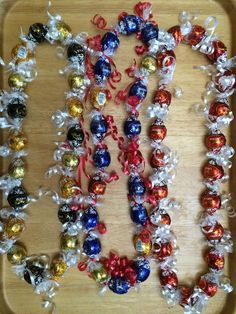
(78, 293)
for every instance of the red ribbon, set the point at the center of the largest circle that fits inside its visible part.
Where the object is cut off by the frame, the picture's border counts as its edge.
(122, 15)
(141, 7)
(95, 42)
(140, 50)
(89, 67)
(130, 71)
(99, 21)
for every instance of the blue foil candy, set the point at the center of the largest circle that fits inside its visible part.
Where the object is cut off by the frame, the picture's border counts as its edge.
(139, 214)
(90, 218)
(148, 32)
(98, 126)
(136, 186)
(142, 268)
(101, 158)
(130, 24)
(102, 69)
(132, 127)
(118, 285)
(110, 43)
(91, 246)
(138, 89)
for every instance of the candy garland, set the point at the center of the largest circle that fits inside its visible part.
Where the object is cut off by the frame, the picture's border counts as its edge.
(119, 273)
(36, 270)
(218, 114)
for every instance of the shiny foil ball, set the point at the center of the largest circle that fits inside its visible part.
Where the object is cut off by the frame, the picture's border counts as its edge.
(166, 58)
(168, 277)
(148, 32)
(215, 260)
(196, 34)
(214, 232)
(211, 201)
(136, 186)
(142, 268)
(175, 31)
(69, 242)
(17, 81)
(215, 141)
(132, 127)
(17, 140)
(97, 187)
(119, 285)
(98, 98)
(16, 169)
(208, 287)
(218, 109)
(17, 197)
(70, 160)
(76, 52)
(64, 31)
(34, 275)
(213, 172)
(142, 247)
(16, 254)
(14, 227)
(157, 132)
(130, 24)
(66, 214)
(162, 97)
(91, 246)
(219, 50)
(101, 158)
(38, 32)
(110, 42)
(75, 136)
(139, 90)
(102, 69)
(162, 250)
(16, 109)
(67, 187)
(75, 80)
(90, 218)
(75, 107)
(149, 64)
(58, 268)
(98, 126)
(139, 214)
(100, 275)
(20, 53)
(159, 192)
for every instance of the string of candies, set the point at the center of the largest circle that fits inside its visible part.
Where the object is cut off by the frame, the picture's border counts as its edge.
(38, 270)
(117, 273)
(218, 115)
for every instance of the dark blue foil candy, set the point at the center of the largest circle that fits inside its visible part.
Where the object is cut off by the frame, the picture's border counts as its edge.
(138, 89)
(142, 268)
(136, 186)
(98, 126)
(148, 32)
(110, 43)
(90, 218)
(91, 246)
(101, 158)
(119, 285)
(139, 214)
(130, 24)
(102, 69)
(132, 127)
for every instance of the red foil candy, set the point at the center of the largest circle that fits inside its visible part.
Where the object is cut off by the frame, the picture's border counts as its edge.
(97, 187)
(175, 31)
(225, 81)
(215, 232)
(168, 277)
(213, 172)
(157, 160)
(215, 260)
(157, 132)
(162, 250)
(215, 141)
(219, 50)
(159, 192)
(195, 36)
(211, 201)
(162, 97)
(185, 294)
(82, 266)
(210, 288)
(218, 109)
(164, 54)
(165, 219)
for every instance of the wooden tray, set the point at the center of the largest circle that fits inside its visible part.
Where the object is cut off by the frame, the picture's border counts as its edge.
(185, 134)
